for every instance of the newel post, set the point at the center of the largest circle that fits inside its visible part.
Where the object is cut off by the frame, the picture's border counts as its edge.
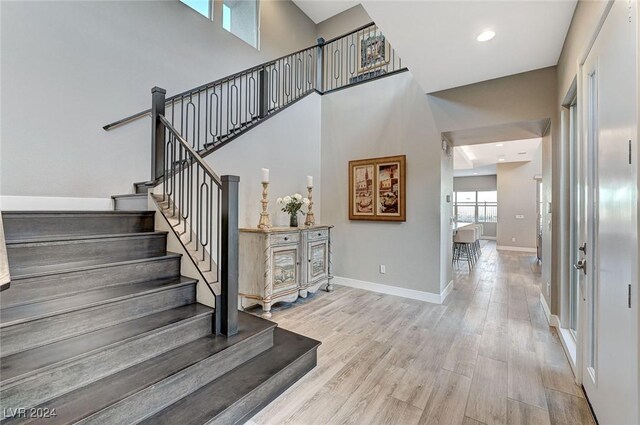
(157, 133)
(320, 65)
(229, 256)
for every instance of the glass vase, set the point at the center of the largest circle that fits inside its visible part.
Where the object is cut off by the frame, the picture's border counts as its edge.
(293, 220)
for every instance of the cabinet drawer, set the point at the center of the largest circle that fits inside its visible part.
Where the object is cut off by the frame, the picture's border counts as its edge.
(318, 234)
(280, 238)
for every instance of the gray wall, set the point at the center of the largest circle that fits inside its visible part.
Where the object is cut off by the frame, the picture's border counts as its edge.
(517, 196)
(390, 116)
(288, 144)
(68, 68)
(522, 97)
(344, 22)
(471, 183)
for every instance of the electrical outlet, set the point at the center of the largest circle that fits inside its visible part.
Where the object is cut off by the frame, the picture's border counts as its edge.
(383, 269)
(513, 239)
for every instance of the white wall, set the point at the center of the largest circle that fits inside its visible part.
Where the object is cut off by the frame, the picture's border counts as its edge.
(344, 22)
(517, 196)
(68, 68)
(390, 116)
(288, 144)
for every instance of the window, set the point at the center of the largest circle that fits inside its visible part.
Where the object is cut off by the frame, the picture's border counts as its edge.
(476, 206)
(240, 17)
(203, 7)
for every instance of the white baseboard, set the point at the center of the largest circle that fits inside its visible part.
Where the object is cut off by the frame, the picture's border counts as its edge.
(394, 290)
(552, 319)
(515, 248)
(39, 203)
(447, 290)
(569, 345)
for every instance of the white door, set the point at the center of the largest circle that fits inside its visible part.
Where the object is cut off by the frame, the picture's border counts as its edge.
(609, 131)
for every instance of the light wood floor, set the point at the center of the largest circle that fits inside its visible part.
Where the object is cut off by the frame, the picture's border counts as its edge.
(486, 356)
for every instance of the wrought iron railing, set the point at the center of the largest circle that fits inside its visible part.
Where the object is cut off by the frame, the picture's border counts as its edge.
(202, 209)
(213, 114)
(358, 56)
(472, 212)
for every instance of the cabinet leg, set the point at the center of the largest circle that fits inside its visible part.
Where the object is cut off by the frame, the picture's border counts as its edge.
(330, 287)
(303, 293)
(266, 311)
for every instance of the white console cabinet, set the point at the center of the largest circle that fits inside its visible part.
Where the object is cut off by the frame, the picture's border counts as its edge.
(282, 264)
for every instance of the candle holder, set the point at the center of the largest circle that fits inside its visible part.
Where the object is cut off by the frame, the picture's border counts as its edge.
(265, 219)
(311, 220)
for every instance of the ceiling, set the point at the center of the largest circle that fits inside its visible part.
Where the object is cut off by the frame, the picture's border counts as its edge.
(499, 133)
(481, 159)
(437, 39)
(320, 10)
(487, 170)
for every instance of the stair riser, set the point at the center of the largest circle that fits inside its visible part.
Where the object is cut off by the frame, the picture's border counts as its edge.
(131, 203)
(27, 225)
(153, 399)
(57, 285)
(46, 384)
(238, 413)
(23, 336)
(76, 251)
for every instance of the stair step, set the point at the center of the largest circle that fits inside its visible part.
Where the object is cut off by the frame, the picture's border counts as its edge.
(130, 202)
(66, 252)
(36, 287)
(22, 328)
(146, 388)
(35, 376)
(238, 395)
(23, 225)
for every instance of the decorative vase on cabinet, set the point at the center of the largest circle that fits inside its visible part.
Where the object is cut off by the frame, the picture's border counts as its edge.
(282, 264)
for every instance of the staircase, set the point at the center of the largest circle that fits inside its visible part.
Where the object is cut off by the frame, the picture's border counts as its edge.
(100, 327)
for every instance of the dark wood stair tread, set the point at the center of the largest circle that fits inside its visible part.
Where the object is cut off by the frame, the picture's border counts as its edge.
(208, 402)
(31, 361)
(101, 394)
(19, 314)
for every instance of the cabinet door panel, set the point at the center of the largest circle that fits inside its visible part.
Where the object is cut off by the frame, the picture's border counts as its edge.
(284, 263)
(318, 260)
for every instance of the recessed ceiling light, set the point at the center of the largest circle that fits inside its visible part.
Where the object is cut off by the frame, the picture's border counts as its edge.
(486, 35)
(475, 174)
(501, 159)
(499, 145)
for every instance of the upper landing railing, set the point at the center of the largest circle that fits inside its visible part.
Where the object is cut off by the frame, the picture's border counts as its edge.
(213, 114)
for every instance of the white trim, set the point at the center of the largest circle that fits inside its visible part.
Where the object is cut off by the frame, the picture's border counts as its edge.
(446, 291)
(429, 297)
(39, 203)
(569, 345)
(488, 238)
(552, 319)
(515, 248)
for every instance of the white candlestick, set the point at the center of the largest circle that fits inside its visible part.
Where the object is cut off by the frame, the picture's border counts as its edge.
(309, 181)
(265, 175)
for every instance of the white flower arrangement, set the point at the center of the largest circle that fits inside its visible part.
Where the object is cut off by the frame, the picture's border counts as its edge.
(292, 204)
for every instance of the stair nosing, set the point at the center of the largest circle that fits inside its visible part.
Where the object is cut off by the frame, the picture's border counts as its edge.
(197, 316)
(96, 266)
(183, 281)
(130, 195)
(53, 239)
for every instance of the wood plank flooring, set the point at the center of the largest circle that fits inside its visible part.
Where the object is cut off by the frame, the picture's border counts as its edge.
(486, 356)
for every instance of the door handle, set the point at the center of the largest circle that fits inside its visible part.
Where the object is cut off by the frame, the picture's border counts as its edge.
(581, 265)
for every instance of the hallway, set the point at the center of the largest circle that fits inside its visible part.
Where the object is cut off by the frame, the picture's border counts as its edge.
(487, 356)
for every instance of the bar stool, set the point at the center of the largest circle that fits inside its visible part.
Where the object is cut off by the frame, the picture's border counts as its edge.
(463, 242)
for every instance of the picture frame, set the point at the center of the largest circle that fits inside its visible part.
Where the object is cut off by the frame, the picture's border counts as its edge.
(373, 51)
(377, 189)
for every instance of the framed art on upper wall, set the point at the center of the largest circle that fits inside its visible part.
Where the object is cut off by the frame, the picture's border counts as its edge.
(377, 189)
(374, 51)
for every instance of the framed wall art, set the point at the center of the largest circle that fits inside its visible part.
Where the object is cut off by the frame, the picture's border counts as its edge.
(373, 51)
(377, 189)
